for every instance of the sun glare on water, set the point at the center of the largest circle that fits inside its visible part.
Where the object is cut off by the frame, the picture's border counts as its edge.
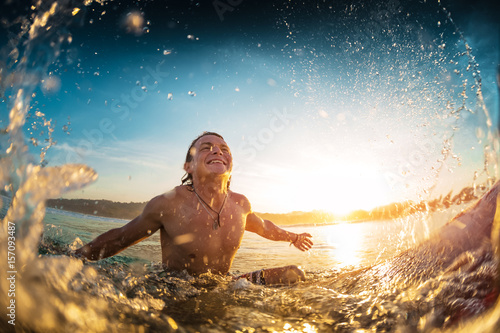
(346, 241)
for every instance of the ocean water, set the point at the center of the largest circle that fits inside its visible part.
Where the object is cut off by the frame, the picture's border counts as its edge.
(343, 291)
(337, 245)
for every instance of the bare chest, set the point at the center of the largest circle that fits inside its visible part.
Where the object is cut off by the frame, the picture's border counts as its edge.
(195, 228)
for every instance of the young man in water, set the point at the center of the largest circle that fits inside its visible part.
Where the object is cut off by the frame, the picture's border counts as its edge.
(201, 222)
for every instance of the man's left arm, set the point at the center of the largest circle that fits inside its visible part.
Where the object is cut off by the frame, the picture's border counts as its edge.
(269, 230)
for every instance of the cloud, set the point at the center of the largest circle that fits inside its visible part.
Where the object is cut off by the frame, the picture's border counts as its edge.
(144, 153)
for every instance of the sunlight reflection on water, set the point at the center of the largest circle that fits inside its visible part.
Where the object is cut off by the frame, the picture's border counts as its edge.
(346, 240)
(341, 245)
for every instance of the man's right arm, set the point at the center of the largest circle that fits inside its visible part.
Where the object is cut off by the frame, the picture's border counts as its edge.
(115, 240)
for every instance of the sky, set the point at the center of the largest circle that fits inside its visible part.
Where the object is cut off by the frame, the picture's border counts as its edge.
(334, 106)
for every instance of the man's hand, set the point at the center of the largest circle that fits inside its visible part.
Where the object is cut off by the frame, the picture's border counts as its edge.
(303, 241)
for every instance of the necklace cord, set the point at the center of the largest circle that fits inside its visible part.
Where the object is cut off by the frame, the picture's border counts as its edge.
(205, 205)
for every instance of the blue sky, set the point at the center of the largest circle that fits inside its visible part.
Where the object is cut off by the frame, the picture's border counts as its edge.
(323, 107)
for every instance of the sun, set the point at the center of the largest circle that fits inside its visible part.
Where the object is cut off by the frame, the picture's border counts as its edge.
(313, 182)
(340, 189)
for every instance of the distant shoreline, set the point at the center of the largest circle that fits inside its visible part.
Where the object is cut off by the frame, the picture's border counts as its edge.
(89, 216)
(121, 220)
(128, 211)
(103, 208)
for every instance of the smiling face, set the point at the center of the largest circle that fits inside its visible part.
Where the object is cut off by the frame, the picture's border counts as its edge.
(210, 156)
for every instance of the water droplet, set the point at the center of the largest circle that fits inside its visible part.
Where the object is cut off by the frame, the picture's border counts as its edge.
(191, 93)
(439, 23)
(144, 88)
(167, 52)
(134, 23)
(236, 89)
(271, 82)
(323, 114)
(51, 84)
(170, 96)
(479, 133)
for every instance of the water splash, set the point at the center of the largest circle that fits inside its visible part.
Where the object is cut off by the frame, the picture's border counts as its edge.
(27, 184)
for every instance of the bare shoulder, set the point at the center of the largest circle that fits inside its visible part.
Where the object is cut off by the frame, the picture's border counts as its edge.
(241, 200)
(164, 202)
